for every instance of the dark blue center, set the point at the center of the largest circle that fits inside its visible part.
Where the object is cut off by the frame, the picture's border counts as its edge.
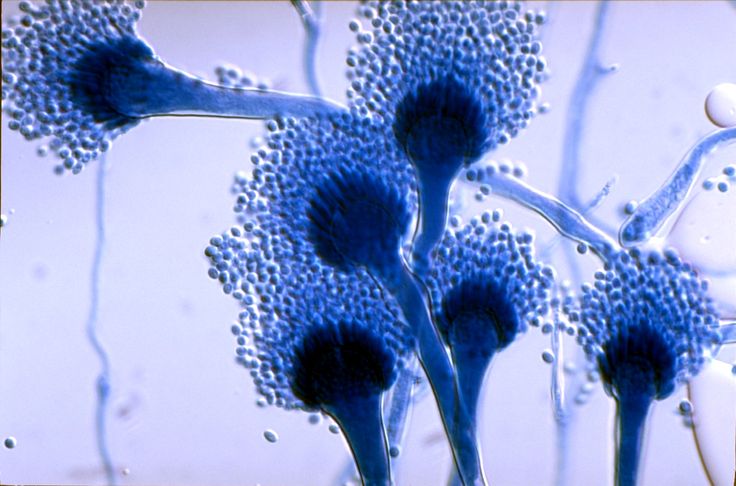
(442, 126)
(356, 218)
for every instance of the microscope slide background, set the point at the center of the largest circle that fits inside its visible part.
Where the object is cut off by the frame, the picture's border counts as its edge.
(182, 413)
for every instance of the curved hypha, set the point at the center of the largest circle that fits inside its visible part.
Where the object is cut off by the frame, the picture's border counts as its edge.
(649, 325)
(78, 74)
(454, 80)
(485, 286)
(332, 195)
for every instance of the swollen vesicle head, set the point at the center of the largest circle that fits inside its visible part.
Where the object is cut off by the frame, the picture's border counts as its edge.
(486, 272)
(335, 361)
(99, 81)
(357, 219)
(41, 91)
(441, 125)
(490, 48)
(648, 322)
(477, 314)
(639, 360)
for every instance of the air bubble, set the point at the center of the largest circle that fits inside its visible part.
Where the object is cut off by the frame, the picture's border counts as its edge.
(720, 105)
(271, 436)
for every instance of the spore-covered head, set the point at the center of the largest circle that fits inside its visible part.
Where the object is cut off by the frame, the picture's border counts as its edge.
(648, 323)
(336, 361)
(485, 283)
(465, 70)
(52, 64)
(326, 192)
(441, 124)
(357, 218)
(310, 341)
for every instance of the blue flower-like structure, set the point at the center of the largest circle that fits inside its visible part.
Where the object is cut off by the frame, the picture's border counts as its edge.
(334, 194)
(331, 344)
(79, 74)
(649, 325)
(486, 287)
(454, 80)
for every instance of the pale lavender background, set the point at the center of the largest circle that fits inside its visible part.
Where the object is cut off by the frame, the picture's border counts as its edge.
(181, 411)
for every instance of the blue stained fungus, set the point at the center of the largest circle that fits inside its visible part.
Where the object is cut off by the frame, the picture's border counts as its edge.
(649, 325)
(357, 219)
(306, 200)
(650, 214)
(343, 369)
(485, 287)
(77, 73)
(454, 79)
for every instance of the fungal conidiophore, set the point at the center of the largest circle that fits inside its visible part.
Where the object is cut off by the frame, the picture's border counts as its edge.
(79, 74)
(343, 261)
(453, 80)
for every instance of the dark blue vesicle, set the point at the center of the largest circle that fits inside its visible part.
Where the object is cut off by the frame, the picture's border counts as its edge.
(649, 325)
(358, 219)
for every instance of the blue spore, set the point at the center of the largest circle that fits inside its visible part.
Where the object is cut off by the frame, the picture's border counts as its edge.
(357, 219)
(649, 324)
(656, 209)
(485, 286)
(455, 79)
(37, 56)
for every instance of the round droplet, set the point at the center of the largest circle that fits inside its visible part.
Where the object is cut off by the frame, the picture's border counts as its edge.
(271, 436)
(720, 105)
(630, 207)
(685, 407)
(334, 429)
(10, 443)
(548, 356)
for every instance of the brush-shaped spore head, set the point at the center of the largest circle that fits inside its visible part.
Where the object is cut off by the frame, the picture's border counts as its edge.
(42, 92)
(648, 322)
(357, 218)
(336, 361)
(96, 79)
(486, 284)
(442, 126)
(477, 315)
(296, 204)
(483, 55)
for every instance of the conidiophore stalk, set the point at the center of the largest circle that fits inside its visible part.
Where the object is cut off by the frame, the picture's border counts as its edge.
(631, 415)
